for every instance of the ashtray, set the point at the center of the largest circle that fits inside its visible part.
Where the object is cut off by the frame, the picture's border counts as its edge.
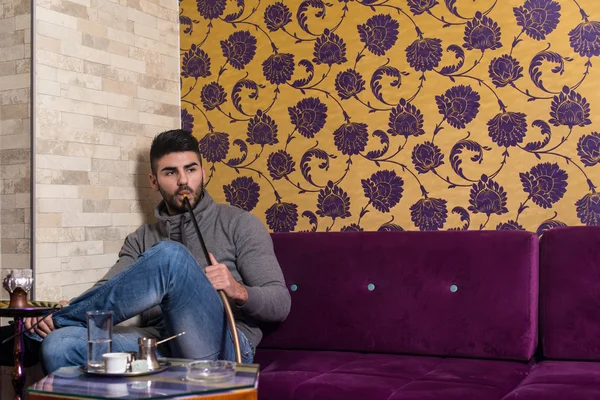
(210, 371)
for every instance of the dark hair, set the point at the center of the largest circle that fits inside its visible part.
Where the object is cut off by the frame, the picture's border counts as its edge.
(173, 141)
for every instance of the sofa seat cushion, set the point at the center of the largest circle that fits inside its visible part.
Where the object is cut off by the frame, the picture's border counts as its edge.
(315, 375)
(560, 380)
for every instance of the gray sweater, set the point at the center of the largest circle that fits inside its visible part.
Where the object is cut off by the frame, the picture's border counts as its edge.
(237, 239)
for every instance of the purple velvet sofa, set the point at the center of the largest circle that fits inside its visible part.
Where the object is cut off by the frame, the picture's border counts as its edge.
(436, 315)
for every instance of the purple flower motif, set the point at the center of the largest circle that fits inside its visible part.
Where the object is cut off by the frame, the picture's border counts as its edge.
(277, 16)
(308, 116)
(351, 138)
(509, 226)
(507, 128)
(546, 184)
(424, 54)
(505, 70)
(585, 38)
(538, 18)
(418, 7)
(379, 33)
(569, 108)
(588, 209)
(427, 157)
(329, 49)
(588, 149)
(280, 164)
(383, 189)
(195, 64)
(279, 68)
(242, 192)
(405, 120)
(262, 130)
(211, 9)
(351, 228)
(214, 146)
(239, 49)
(187, 120)
(459, 105)
(487, 197)
(282, 217)
(212, 96)
(482, 33)
(429, 214)
(549, 224)
(349, 83)
(333, 202)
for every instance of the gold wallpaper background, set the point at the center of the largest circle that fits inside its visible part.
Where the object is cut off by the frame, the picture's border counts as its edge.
(397, 114)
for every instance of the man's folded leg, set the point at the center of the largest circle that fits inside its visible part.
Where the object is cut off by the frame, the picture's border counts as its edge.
(167, 275)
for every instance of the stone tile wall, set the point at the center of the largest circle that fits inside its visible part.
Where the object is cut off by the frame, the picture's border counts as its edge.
(107, 81)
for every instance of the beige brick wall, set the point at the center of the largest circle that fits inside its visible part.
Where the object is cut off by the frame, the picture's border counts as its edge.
(107, 81)
(15, 138)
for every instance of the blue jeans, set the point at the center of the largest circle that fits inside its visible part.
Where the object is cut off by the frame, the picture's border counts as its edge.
(166, 275)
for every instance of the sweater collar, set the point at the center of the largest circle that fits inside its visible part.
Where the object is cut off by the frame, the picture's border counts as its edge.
(166, 223)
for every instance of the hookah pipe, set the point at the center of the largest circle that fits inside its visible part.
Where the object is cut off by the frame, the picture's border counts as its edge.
(228, 312)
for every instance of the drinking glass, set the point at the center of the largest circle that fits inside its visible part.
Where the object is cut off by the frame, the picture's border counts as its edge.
(99, 325)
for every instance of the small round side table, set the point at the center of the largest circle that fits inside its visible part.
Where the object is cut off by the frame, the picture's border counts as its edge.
(34, 309)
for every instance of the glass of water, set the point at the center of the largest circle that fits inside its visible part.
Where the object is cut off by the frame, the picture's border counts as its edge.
(99, 325)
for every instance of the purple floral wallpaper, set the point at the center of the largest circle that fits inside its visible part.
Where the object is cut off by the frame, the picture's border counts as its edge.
(390, 115)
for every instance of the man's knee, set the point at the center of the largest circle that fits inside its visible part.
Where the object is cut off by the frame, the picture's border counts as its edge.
(172, 253)
(171, 250)
(169, 246)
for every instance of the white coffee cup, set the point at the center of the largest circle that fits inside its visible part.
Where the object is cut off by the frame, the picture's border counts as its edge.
(115, 363)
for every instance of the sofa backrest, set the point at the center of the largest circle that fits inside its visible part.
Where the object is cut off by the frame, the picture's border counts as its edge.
(570, 293)
(453, 293)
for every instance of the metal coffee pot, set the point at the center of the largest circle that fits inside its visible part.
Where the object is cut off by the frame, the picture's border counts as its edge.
(147, 351)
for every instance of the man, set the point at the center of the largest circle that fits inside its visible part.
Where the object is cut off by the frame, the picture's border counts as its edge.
(160, 274)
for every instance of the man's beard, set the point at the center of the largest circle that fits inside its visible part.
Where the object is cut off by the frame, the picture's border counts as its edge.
(173, 203)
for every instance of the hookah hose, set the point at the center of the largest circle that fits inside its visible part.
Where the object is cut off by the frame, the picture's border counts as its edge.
(228, 312)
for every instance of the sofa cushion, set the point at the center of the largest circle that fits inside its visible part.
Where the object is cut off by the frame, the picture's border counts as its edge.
(560, 380)
(297, 374)
(466, 293)
(570, 293)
